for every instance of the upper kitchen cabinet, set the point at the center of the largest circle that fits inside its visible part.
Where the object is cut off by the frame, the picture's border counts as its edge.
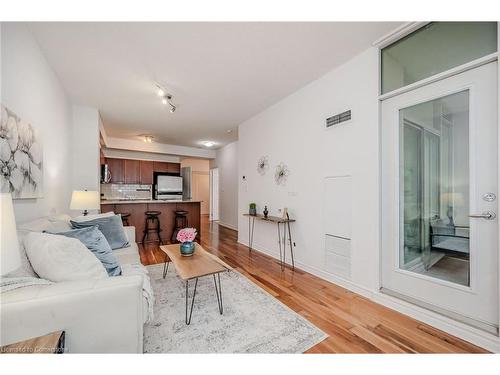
(132, 171)
(146, 172)
(117, 170)
(160, 166)
(174, 168)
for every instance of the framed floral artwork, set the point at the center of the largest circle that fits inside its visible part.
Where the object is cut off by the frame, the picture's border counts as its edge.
(21, 159)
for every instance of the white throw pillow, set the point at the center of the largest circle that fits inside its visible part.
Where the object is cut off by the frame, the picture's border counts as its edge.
(54, 224)
(81, 218)
(59, 258)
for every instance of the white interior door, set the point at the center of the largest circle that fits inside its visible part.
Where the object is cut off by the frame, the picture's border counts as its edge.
(439, 187)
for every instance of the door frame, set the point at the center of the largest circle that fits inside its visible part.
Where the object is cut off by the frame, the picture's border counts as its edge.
(452, 326)
(214, 200)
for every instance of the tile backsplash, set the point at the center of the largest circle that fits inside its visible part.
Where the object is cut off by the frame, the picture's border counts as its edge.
(125, 191)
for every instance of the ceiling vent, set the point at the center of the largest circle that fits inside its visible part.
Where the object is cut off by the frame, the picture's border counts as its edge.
(337, 119)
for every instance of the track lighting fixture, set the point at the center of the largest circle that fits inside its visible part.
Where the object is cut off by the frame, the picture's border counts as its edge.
(166, 98)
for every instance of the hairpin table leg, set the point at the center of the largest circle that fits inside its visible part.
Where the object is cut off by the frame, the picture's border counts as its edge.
(188, 320)
(279, 243)
(218, 291)
(165, 266)
(291, 244)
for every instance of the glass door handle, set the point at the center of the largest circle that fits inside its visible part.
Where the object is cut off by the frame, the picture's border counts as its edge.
(488, 215)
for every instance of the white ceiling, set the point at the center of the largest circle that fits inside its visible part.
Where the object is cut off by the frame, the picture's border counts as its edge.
(220, 74)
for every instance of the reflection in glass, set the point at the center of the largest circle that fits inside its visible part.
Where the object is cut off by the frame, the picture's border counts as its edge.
(434, 188)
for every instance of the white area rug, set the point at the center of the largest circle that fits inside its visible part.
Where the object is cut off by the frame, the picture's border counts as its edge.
(253, 320)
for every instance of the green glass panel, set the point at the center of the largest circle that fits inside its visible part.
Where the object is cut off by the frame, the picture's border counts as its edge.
(433, 49)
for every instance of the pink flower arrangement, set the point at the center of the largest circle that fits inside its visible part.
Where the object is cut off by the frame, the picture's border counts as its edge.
(186, 235)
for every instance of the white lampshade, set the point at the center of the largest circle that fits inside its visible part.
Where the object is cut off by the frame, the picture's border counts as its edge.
(9, 247)
(85, 200)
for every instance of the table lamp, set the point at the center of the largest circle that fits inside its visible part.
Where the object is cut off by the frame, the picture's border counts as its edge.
(85, 200)
(10, 259)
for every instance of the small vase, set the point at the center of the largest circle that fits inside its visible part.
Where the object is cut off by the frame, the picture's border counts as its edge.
(252, 211)
(187, 249)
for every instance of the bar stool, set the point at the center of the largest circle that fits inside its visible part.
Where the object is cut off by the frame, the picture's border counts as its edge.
(152, 225)
(125, 217)
(180, 222)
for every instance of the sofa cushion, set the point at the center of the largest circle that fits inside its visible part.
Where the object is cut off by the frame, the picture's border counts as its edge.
(95, 241)
(59, 258)
(128, 255)
(82, 218)
(111, 227)
(54, 223)
(58, 223)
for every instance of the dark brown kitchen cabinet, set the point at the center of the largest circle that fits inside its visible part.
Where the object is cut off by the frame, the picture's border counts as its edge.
(117, 169)
(146, 172)
(132, 171)
(160, 166)
(174, 168)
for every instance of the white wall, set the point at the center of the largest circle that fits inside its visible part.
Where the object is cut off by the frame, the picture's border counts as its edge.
(197, 165)
(85, 149)
(293, 131)
(31, 89)
(227, 163)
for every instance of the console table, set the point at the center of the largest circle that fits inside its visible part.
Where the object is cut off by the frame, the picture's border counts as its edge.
(286, 228)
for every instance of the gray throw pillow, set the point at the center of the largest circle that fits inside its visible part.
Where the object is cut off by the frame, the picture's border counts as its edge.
(95, 241)
(111, 227)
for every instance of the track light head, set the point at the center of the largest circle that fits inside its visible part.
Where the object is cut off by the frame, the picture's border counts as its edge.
(166, 98)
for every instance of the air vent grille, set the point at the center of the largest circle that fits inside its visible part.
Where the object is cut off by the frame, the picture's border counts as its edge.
(337, 119)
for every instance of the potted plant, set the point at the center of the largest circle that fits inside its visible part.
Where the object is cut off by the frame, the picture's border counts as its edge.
(186, 237)
(252, 209)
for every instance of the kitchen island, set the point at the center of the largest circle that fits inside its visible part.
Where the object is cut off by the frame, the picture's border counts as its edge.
(137, 218)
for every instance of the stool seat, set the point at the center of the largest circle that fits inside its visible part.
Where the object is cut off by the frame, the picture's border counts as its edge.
(152, 213)
(181, 213)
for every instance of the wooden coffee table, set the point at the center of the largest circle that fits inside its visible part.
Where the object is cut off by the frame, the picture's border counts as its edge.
(200, 264)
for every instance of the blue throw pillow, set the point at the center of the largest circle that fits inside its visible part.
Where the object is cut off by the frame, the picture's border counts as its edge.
(95, 241)
(111, 227)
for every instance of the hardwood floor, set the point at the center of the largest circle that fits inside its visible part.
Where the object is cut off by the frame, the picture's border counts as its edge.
(354, 324)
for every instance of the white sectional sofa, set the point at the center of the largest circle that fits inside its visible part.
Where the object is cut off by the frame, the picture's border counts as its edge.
(98, 316)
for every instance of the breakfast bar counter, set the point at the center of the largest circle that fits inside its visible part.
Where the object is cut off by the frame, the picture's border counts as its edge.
(139, 201)
(138, 208)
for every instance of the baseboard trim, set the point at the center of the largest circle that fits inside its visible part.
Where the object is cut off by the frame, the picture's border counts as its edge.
(473, 335)
(228, 226)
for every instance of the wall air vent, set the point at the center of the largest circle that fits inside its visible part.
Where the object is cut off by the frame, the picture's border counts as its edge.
(337, 119)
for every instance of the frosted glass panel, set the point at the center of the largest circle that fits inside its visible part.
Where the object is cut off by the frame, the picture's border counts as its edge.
(435, 48)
